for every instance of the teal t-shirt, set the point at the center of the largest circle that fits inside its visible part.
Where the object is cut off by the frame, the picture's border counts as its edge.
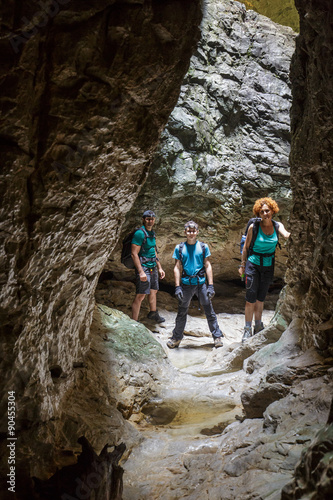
(148, 250)
(192, 261)
(264, 244)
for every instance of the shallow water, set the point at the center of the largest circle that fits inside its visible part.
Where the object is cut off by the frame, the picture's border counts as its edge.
(194, 409)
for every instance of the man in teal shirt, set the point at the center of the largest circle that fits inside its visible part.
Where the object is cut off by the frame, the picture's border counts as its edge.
(147, 267)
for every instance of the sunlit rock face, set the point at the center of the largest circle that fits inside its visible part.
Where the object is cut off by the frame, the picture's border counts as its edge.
(281, 11)
(227, 141)
(86, 90)
(311, 267)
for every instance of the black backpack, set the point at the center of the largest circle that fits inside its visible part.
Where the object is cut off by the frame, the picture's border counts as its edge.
(126, 257)
(243, 238)
(202, 271)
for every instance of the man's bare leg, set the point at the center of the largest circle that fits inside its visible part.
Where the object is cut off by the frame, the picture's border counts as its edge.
(152, 300)
(137, 305)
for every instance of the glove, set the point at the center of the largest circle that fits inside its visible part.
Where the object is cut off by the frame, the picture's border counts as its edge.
(210, 291)
(179, 293)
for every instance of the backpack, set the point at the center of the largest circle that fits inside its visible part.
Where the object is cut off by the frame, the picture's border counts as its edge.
(243, 238)
(202, 271)
(126, 257)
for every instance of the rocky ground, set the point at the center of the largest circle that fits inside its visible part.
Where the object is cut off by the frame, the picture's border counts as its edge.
(208, 423)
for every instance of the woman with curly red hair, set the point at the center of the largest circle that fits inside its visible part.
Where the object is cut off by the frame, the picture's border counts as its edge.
(258, 261)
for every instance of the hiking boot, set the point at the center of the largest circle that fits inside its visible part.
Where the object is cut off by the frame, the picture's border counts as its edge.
(258, 329)
(172, 343)
(154, 315)
(218, 342)
(247, 333)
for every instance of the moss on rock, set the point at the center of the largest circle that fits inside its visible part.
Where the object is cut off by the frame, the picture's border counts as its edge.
(128, 337)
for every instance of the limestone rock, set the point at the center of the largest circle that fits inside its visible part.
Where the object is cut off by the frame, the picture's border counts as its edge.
(314, 472)
(227, 140)
(231, 456)
(86, 90)
(84, 100)
(310, 276)
(255, 401)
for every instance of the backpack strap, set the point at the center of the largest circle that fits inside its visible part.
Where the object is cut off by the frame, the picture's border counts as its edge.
(180, 249)
(251, 221)
(203, 249)
(255, 230)
(143, 229)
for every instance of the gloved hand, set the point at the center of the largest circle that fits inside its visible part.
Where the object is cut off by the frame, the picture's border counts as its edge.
(210, 291)
(179, 293)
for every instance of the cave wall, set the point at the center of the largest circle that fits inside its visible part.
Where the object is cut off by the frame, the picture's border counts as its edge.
(310, 273)
(85, 91)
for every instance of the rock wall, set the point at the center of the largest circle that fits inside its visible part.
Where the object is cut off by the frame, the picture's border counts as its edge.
(86, 90)
(310, 274)
(228, 139)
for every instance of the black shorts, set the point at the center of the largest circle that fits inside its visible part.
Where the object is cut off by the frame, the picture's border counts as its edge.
(257, 281)
(150, 284)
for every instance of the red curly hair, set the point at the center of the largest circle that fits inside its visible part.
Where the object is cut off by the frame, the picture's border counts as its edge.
(272, 205)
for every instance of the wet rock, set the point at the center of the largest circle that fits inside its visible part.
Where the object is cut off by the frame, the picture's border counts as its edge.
(255, 401)
(272, 354)
(159, 413)
(209, 438)
(288, 365)
(306, 366)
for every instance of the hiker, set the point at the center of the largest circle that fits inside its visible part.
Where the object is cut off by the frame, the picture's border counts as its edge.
(258, 261)
(147, 267)
(191, 265)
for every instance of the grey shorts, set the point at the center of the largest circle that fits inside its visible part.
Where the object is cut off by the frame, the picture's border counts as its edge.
(144, 287)
(257, 281)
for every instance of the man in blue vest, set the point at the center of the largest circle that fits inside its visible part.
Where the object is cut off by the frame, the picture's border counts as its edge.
(147, 267)
(190, 271)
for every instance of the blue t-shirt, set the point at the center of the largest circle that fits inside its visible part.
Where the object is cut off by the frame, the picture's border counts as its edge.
(192, 260)
(264, 244)
(148, 250)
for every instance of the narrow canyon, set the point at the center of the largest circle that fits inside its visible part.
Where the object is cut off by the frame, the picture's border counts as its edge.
(193, 109)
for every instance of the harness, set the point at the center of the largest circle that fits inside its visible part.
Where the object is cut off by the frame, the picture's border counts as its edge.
(199, 274)
(254, 236)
